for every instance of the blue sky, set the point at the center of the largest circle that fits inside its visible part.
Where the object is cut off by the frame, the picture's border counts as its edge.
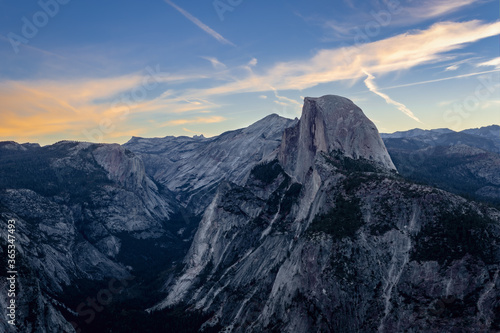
(108, 70)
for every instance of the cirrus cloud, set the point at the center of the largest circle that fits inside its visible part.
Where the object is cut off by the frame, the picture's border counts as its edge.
(42, 108)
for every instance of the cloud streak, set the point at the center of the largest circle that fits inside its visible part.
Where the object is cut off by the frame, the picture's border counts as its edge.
(401, 52)
(197, 120)
(216, 64)
(370, 84)
(434, 8)
(35, 110)
(493, 62)
(439, 80)
(200, 24)
(42, 108)
(392, 13)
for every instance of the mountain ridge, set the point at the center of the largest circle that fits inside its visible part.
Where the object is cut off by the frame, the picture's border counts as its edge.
(253, 230)
(294, 249)
(463, 162)
(331, 123)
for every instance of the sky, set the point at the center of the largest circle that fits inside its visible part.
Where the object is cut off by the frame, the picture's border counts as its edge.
(104, 71)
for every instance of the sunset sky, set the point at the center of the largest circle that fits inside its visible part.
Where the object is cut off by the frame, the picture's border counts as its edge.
(104, 71)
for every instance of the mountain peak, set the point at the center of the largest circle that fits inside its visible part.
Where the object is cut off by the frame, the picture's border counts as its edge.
(268, 124)
(416, 132)
(331, 123)
(331, 102)
(490, 132)
(273, 117)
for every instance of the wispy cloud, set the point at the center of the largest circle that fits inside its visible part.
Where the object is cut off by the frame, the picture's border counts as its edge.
(200, 24)
(215, 62)
(428, 9)
(493, 62)
(385, 14)
(190, 131)
(33, 48)
(283, 100)
(439, 80)
(34, 110)
(370, 84)
(401, 52)
(197, 120)
(457, 64)
(40, 108)
(350, 3)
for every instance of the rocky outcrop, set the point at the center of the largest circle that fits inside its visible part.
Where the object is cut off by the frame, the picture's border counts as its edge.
(331, 123)
(89, 213)
(486, 138)
(192, 167)
(465, 163)
(488, 132)
(305, 227)
(75, 206)
(329, 238)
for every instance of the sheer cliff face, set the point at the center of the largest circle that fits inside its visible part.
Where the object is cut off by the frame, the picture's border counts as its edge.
(331, 123)
(329, 238)
(73, 203)
(87, 213)
(305, 229)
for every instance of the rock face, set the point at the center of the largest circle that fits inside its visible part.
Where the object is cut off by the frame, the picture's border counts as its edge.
(329, 238)
(417, 132)
(486, 138)
(465, 163)
(89, 213)
(489, 132)
(192, 167)
(305, 227)
(331, 123)
(76, 207)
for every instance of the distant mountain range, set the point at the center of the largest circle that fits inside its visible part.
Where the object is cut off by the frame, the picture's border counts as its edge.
(317, 224)
(466, 162)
